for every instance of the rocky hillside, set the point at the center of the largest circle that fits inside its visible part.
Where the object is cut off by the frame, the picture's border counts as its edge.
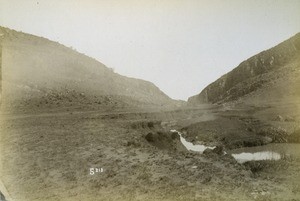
(270, 75)
(38, 71)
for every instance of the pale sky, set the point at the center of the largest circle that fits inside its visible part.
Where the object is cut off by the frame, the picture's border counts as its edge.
(181, 46)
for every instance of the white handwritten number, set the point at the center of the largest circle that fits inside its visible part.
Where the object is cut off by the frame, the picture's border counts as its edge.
(96, 170)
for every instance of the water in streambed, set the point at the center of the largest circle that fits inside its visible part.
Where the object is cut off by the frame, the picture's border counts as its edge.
(190, 146)
(273, 151)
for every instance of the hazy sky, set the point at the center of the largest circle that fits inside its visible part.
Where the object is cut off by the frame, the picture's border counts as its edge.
(181, 46)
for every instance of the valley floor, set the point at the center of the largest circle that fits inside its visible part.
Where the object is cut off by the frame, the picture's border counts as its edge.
(50, 156)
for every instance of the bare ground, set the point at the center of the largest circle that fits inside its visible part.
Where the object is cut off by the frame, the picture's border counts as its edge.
(48, 156)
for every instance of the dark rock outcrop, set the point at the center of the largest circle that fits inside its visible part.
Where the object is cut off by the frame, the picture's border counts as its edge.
(219, 150)
(150, 137)
(165, 140)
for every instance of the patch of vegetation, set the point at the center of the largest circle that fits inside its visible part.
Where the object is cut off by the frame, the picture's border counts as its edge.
(277, 134)
(145, 124)
(266, 165)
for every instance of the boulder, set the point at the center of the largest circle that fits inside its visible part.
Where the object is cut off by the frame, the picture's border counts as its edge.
(175, 135)
(219, 150)
(150, 137)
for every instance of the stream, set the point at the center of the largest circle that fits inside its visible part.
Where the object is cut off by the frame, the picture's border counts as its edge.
(273, 151)
(190, 146)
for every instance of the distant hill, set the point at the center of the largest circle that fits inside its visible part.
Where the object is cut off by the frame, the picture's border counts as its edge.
(272, 75)
(39, 72)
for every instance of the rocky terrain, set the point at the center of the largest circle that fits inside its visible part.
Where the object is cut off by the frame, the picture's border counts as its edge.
(271, 75)
(260, 100)
(50, 156)
(72, 129)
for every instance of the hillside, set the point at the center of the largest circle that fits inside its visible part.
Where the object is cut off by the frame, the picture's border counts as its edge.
(72, 129)
(271, 75)
(38, 72)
